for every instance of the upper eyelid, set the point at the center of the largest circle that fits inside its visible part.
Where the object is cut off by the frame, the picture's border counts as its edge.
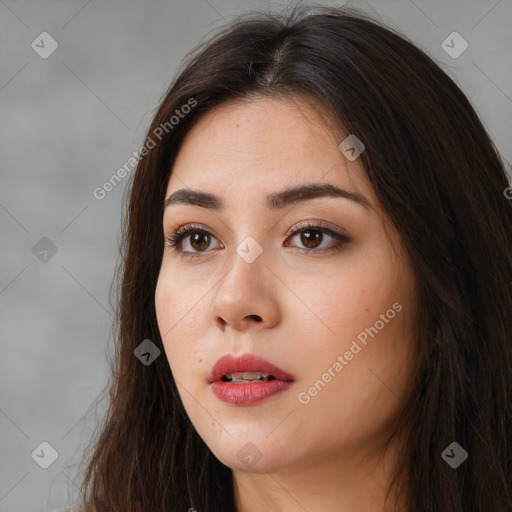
(317, 224)
(296, 227)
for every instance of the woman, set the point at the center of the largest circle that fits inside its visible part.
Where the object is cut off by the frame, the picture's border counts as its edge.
(315, 302)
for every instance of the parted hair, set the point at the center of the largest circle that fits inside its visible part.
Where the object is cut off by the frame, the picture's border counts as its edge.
(439, 179)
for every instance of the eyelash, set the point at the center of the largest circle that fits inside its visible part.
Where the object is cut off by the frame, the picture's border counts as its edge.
(174, 239)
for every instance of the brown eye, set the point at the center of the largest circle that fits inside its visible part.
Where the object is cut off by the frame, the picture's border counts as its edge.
(195, 239)
(199, 240)
(311, 238)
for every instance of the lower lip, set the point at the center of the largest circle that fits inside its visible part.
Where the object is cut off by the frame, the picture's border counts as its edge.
(250, 393)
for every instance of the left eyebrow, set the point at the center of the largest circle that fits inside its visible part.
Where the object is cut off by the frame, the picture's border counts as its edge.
(274, 201)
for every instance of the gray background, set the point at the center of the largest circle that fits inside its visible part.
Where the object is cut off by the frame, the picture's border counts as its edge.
(68, 123)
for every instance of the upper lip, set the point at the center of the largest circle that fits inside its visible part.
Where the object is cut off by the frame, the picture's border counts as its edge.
(246, 363)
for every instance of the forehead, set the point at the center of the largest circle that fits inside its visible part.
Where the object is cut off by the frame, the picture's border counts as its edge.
(265, 144)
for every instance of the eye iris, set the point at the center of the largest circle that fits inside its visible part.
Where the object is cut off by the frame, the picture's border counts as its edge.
(196, 237)
(309, 239)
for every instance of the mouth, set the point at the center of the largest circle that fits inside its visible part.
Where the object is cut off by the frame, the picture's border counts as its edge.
(247, 379)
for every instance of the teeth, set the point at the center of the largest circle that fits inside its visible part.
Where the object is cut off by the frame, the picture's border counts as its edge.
(248, 376)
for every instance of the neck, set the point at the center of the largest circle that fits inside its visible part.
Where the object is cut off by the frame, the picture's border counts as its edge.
(356, 482)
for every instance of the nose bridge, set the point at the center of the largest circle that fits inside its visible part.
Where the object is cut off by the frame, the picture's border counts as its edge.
(248, 262)
(244, 290)
(249, 234)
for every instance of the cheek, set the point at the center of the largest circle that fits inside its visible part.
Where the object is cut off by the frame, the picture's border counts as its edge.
(349, 298)
(178, 299)
(179, 321)
(166, 306)
(363, 310)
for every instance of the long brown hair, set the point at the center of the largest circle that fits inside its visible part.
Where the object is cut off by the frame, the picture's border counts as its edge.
(439, 179)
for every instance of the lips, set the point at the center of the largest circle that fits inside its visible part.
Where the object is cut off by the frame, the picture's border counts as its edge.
(247, 363)
(233, 381)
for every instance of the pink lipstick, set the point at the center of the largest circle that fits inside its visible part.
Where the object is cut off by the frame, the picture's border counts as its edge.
(247, 379)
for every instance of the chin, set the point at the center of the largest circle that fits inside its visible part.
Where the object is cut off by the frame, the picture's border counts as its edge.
(248, 453)
(250, 459)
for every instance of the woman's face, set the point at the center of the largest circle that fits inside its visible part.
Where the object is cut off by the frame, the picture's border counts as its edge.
(335, 314)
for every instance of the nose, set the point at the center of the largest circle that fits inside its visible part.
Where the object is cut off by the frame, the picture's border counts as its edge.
(247, 295)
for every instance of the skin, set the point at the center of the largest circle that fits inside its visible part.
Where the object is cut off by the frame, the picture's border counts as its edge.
(327, 454)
